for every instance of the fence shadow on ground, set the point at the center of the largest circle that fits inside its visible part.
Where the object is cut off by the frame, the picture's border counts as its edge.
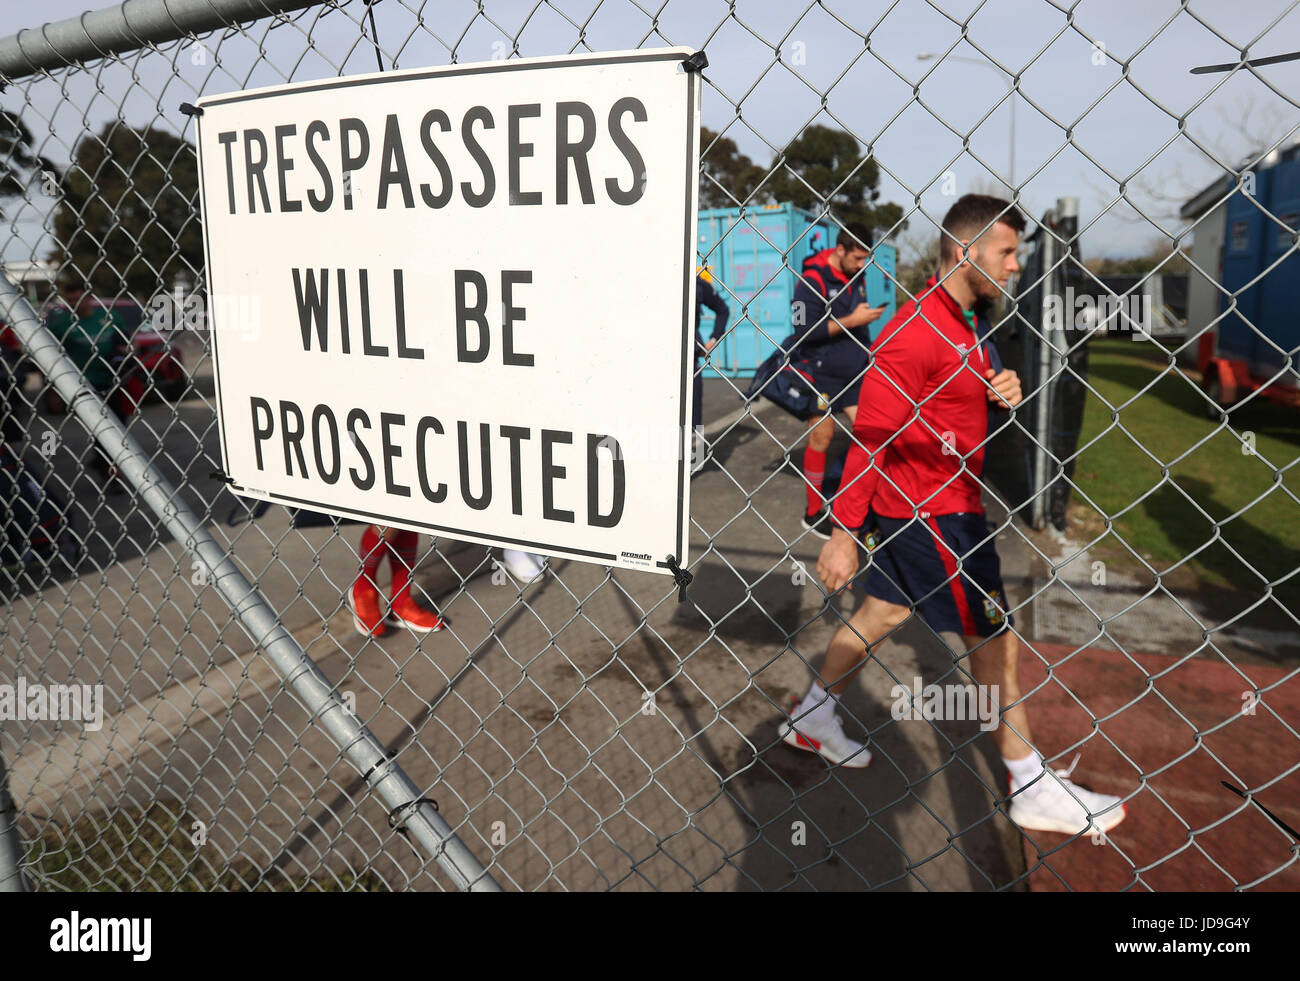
(1261, 554)
(812, 826)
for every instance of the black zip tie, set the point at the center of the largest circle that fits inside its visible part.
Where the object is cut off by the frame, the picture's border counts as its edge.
(1252, 63)
(85, 393)
(1276, 820)
(696, 62)
(680, 576)
(392, 815)
(221, 476)
(190, 109)
(374, 29)
(366, 776)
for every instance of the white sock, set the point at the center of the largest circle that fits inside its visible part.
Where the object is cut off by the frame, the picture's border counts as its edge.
(518, 557)
(1023, 771)
(819, 705)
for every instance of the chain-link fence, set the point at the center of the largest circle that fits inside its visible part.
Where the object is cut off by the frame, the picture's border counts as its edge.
(186, 701)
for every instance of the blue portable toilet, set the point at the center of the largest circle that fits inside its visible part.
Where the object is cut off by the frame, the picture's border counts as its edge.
(1279, 297)
(754, 259)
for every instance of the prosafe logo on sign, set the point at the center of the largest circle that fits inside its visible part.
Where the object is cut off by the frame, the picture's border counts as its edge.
(476, 287)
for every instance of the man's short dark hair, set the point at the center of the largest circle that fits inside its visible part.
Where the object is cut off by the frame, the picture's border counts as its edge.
(973, 215)
(855, 236)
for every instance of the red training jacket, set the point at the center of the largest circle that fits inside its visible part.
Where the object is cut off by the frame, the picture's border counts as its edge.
(922, 414)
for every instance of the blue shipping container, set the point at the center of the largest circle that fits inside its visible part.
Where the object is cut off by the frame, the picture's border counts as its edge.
(754, 261)
(1256, 250)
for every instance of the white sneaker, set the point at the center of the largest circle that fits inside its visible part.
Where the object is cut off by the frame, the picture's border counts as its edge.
(1062, 806)
(524, 566)
(826, 739)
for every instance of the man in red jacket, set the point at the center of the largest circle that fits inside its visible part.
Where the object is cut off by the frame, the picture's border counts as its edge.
(915, 464)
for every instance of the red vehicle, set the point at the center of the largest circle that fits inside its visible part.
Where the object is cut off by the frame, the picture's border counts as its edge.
(160, 365)
(1228, 380)
(12, 352)
(155, 369)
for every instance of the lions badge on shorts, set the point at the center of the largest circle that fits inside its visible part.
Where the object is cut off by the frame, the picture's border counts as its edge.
(993, 607)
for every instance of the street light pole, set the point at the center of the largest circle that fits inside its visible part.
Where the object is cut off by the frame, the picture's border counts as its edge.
(1011, 152)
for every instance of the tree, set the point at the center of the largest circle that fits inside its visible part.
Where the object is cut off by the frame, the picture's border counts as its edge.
(1159, 257)
(19, 161)
(727, 177)
(824, 167)
(128, 221)
(918, 260)
(1249, 130)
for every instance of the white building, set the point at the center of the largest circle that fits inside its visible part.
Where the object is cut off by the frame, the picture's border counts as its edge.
(1206, 210)
(35, 278)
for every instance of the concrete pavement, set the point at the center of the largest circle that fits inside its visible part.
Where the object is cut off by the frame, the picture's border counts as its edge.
(586, 731)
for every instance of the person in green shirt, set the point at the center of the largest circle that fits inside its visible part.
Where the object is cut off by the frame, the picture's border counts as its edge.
(94, 337)
(96, 340)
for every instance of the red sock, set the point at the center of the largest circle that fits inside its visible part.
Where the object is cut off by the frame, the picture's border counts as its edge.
(373, 550)
(814, 471)
(405, 547)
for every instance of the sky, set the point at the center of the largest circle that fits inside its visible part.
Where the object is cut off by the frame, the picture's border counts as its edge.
(1106, 109)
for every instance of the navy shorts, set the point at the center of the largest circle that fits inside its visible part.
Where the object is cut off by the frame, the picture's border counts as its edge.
(945, 567)
(840, 393)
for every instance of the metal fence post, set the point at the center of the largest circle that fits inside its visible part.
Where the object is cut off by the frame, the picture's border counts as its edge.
(1042, 439)
(256, 616)
(11, 845)
(127, 27)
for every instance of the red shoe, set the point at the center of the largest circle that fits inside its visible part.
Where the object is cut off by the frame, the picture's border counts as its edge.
(406, 612)
(363, 601)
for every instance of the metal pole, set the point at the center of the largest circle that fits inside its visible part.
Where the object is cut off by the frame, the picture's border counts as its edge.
(131, 25)
(1042, 414)
(1065, 222)
(363, 750)
(1012, 154)
(11, 846)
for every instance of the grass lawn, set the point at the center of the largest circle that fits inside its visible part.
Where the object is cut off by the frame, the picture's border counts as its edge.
(1212, 480)
(151, 849)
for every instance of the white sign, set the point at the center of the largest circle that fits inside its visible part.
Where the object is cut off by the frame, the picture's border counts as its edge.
(475, 299)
